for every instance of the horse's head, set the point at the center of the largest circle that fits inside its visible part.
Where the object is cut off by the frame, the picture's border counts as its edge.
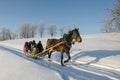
(75, 35)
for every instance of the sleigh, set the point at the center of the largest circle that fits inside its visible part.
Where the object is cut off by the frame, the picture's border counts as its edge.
(36, 55)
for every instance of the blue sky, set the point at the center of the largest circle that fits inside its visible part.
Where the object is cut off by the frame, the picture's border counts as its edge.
(88, 14)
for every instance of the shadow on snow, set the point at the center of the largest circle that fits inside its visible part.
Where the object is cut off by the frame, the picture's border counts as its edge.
(97, 54)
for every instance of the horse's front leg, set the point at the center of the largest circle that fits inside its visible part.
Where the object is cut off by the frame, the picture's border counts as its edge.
(62, 59)
(68, 54)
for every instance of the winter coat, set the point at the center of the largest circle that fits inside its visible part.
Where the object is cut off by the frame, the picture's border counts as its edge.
(39, 47)
(26, 46)
(34, 44)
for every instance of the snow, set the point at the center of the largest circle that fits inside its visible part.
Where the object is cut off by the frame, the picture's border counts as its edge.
(96, 58)
(16, 68)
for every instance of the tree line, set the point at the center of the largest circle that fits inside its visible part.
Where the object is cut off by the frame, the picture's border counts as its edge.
(28, 30)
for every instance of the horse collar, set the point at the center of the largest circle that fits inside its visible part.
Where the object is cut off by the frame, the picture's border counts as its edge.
(67, 40)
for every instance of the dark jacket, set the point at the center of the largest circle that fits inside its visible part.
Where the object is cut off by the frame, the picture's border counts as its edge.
(29, 45)
(34, 44)
(40, 47)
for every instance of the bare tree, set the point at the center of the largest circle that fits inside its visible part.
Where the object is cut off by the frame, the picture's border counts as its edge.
(14, 35)
(27, 30)
(52, 30)
(5, 34)
(112, 24)
(32, 30)
(61, 31)
(41, 29)
(24, 31)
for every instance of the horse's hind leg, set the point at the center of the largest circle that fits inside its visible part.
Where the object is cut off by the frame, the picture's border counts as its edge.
(49, 56)
(68, 54)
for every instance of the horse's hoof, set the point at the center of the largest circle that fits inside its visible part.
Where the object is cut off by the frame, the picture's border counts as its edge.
(49, 59)
(62, 65)
(65, 61)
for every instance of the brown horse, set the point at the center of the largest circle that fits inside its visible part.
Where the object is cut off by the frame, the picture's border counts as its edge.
(66, 46)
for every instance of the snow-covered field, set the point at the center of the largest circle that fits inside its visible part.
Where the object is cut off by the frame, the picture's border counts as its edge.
(96, 58)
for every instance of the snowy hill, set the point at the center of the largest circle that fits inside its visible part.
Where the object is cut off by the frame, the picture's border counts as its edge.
(96, 58)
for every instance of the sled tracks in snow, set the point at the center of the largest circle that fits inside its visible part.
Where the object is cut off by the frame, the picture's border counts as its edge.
(72, 70)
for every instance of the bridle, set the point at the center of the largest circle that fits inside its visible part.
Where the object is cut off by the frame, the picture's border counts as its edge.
(74, 35)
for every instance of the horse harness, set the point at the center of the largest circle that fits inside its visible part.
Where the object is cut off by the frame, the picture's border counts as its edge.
(67, 40)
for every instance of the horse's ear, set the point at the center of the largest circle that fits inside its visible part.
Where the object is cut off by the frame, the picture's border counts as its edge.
(77, 28)
(70, 32)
